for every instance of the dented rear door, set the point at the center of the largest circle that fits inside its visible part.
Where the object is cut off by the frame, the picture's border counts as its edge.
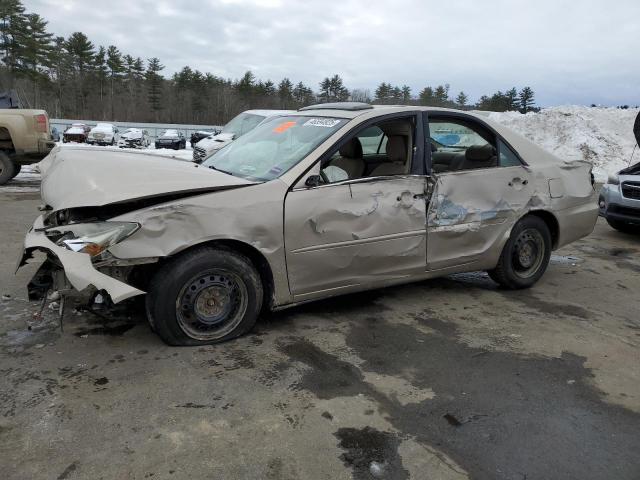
(471, 214)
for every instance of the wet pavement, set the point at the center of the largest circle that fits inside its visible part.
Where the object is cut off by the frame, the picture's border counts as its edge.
(445, 379)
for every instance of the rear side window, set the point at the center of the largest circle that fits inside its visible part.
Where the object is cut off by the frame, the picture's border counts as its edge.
(507, 157)
(372, 139)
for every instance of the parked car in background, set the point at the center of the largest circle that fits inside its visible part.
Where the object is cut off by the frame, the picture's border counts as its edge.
(134, 138)
(238, 126)
(24, 138)
(298, 210)
(197, 136)
(171, 139)
(620, 200)
(103, 134)
(55, 134)
(77, 132)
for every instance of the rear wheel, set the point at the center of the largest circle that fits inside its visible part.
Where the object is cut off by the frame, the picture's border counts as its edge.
(525, 256)
(623, 227)
(205, 296)
(7, 168)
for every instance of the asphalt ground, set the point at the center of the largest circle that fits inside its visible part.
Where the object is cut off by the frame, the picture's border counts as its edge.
(445, 379)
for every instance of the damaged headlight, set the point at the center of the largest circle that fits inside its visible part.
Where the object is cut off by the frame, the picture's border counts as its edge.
(91, 238)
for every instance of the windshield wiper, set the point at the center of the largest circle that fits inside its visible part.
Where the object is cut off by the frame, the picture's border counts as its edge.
(220, 170)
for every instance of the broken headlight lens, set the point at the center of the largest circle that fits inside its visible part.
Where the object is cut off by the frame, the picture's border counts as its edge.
(91, 238)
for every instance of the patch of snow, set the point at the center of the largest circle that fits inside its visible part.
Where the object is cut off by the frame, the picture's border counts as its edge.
(603, 136)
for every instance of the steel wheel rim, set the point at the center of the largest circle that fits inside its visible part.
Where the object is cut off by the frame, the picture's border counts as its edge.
(528, 253)
(211, 304)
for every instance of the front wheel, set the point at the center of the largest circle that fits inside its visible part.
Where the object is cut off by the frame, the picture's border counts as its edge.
(16, 169)
(525, 256)
(205, 296)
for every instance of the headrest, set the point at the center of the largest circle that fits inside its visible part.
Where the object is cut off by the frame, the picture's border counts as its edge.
(480, 153)
(351, 149)
(397, 148)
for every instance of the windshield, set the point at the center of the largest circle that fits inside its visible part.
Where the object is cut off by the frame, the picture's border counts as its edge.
(243, 123)
(274, 146)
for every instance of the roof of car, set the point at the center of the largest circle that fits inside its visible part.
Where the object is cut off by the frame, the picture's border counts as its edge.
(269, 113)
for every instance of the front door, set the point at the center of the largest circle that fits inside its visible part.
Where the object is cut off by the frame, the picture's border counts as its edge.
(366, 228)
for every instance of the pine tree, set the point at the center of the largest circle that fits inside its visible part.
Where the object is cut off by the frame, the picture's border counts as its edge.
(527, 100)
(303, 95)
(36, 51)
(81, 54)
(154, 85)
(383, 93)
(426, 96)
(512, 99)
(462, 99)
(285, 93)
(406, 94)
(325, 90)
(101, 70)
(116, 68)
(12, 33)
(441, 95)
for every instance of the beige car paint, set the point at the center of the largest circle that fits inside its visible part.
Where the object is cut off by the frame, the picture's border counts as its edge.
(325, 240)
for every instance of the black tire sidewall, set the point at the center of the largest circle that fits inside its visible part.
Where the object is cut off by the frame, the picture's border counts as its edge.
(8, 168)
(623, 226)
(513, 280)
(171, 278)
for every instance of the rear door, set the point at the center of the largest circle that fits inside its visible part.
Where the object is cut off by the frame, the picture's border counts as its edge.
(477, 197)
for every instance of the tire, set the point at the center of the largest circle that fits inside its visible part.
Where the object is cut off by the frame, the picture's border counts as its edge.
(16, 169)
(623, 227)
(7, 168)
(525, 256)
(205, 296)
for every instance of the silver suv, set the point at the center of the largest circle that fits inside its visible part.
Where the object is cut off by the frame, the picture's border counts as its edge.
(237, 126)
(620, 200)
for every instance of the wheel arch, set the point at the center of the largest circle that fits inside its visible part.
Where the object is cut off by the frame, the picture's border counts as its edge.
(552, 223)
(256, 257)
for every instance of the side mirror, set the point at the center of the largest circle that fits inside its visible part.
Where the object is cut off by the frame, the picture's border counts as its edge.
(434, 148)
(313, 181)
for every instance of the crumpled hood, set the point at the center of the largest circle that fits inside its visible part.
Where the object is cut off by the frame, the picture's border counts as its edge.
(83, 177)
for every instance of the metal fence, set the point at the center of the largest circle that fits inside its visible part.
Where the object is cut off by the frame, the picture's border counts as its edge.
(154, 129)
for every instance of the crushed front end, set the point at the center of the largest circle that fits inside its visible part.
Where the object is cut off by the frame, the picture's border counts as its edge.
(77, 257)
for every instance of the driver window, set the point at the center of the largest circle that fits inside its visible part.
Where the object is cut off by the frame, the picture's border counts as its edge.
(378, 150)
(458, 144)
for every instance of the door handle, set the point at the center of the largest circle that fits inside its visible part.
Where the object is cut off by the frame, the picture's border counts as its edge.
(418, 195)
(518, 180)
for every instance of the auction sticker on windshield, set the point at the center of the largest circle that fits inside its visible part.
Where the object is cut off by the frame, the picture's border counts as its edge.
(321, 122)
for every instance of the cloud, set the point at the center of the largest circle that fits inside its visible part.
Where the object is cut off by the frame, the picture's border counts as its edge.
(568, 51)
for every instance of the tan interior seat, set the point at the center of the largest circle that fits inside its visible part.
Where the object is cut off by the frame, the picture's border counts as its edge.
(350, 159)
(397, 155)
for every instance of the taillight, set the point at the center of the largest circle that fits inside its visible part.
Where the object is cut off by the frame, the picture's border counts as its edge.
(41, 123)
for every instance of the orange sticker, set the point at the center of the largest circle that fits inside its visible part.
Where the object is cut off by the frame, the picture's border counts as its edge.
(283, 127)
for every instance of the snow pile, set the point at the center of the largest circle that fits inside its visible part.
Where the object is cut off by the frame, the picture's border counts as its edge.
(27, 181)
(603, 136)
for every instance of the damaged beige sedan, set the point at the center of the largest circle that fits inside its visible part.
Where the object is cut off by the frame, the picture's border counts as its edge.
(332, 199)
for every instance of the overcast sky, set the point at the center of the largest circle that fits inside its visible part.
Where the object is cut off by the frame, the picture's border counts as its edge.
(568, 51)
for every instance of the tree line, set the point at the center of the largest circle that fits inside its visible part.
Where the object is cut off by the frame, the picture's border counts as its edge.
(74, 78)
